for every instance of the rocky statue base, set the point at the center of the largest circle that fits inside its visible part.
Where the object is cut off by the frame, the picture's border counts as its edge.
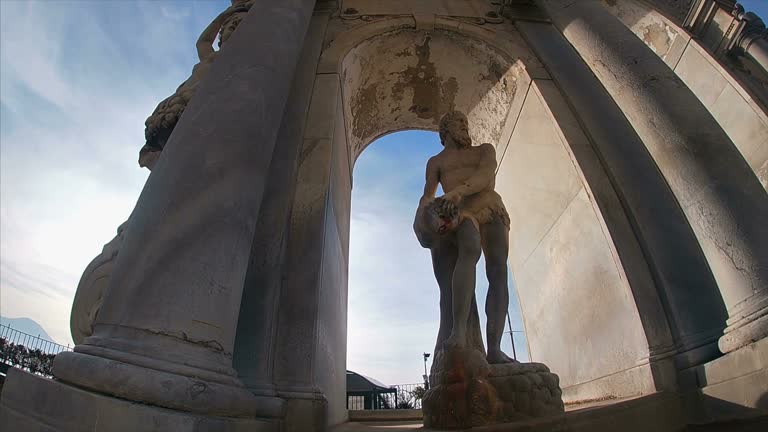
(465, 391)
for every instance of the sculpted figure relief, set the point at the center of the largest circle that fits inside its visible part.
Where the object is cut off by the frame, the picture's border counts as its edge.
(90, 290)
(160, 124)
(456, 227)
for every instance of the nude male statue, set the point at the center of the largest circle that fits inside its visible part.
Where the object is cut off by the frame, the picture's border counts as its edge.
(161, 123)
(456, 227)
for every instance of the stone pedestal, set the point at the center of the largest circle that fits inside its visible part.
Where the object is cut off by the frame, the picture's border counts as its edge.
(465, 391)
(526, 390)
(33, 403)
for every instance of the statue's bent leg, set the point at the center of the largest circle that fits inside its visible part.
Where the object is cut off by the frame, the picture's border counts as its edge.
(495, 241)
(444, 255)
(474, 334)
(463, 282)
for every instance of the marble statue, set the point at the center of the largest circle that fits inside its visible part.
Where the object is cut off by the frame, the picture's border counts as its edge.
(90, 290)
(161, 123)
(469, 387)
(470, 217)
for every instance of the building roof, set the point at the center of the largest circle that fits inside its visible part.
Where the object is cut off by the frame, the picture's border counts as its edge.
(360, 383)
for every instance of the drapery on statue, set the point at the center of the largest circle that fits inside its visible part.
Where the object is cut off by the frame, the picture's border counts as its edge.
(160, 124)
(91, 288)
(470, 217)
(467, 386)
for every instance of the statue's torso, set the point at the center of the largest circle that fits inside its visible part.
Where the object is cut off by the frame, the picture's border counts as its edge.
(458, 166)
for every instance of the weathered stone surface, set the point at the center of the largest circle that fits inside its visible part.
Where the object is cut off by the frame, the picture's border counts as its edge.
(466, 391)
(161, 123)
(460, 395)
(428, 74)
(470, 217)
(90, 290)
(561, 253)
(717, 190)
(33, 403)
(166, 330)
(470, 386)
(455, 227)
(721, 82)
(526, 390)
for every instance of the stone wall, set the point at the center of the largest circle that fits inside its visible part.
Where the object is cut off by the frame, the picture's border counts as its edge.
(579, 313)
(742, 117)
(408, 78)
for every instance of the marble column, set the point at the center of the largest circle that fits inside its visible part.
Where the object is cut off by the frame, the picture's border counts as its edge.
(752, 39)
(687, 289)
(166, 331)
(718, 193)
(257, 326)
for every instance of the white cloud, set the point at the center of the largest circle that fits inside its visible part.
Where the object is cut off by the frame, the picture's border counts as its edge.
(75, 93)
(393, 298)
(77, 80)
(393, 295)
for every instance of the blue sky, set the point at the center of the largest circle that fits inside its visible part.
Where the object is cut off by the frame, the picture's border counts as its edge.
(393, 296)
(760, 7)
(77, 81)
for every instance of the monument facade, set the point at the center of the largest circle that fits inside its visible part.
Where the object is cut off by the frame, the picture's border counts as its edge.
(629, 140)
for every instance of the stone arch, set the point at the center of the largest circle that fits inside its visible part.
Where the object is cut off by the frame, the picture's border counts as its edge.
(556, 189)
(720, 81)
(425, 77)
(592, 231)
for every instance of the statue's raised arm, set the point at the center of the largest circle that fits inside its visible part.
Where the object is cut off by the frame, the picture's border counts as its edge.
(223, 26)
(160, 124)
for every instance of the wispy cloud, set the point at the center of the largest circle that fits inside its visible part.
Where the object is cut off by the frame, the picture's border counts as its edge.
(77, 81)
(393, 296)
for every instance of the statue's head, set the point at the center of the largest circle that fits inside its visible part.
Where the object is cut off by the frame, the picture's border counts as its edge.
(239, 2)
(455, 127)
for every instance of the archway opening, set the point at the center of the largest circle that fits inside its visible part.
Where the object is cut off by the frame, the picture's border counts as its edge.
(393, 301)
(384, 77)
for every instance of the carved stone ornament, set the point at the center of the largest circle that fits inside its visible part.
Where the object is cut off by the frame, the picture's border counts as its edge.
(161, 123)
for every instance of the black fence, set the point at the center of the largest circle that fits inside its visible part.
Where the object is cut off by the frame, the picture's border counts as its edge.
(402, 396)
(25, 351)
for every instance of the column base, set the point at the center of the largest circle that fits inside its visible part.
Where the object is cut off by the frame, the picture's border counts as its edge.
(187, 392)
(739, 334)
(31, 402)
(730, 387)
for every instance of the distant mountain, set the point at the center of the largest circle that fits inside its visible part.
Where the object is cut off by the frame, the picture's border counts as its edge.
(26, 325)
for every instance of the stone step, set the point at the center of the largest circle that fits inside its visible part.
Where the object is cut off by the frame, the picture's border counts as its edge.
(658, 412)
(385, 415)
(758, 424)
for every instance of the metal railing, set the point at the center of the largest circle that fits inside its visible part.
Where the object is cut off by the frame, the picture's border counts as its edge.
(25, 351)
(404, 396)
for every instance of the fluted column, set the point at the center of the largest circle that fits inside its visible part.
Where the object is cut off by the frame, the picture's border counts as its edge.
(752, 39)
(694, 309)
(166, 331)
(718, 193)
